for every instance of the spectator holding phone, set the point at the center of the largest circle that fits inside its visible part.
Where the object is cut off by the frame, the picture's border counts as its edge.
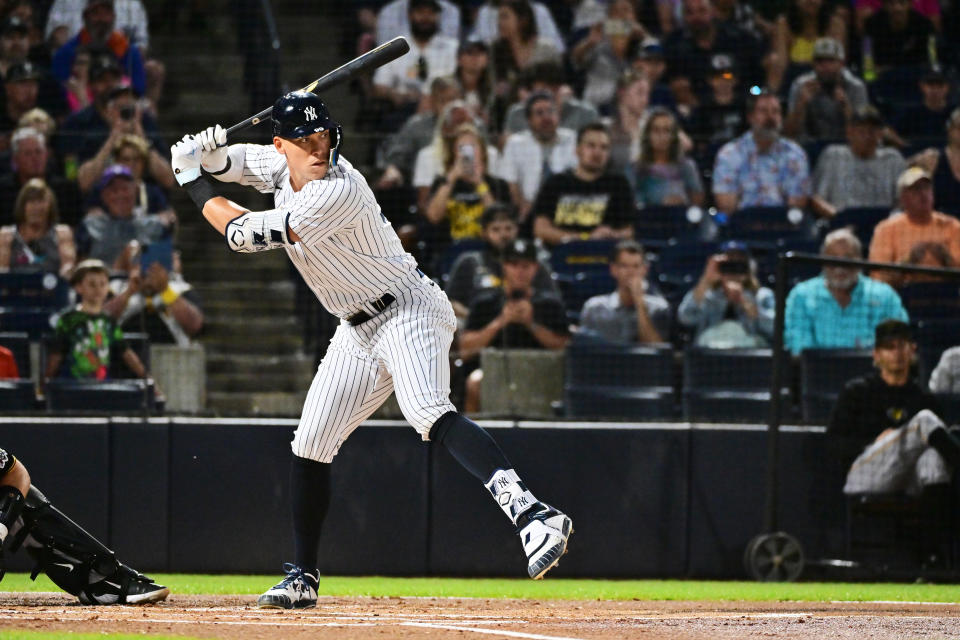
(460, 196)
(728, 308)
(122, 117)
(512, 316)
(157, 300)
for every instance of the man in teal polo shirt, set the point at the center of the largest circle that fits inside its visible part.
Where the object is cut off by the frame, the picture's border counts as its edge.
(841, 307)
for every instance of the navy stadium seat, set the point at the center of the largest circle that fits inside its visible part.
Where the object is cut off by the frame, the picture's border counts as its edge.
(606, 380)
(33, 290)
(581, 256)
(577, 288)
(655, 226)
(17, 395)
(768, 225)
(679, 266)
(929, 300)
(823, 374)
(454, 251)
(34, 321)
(728, 385)
(99, 396)
(863, 220)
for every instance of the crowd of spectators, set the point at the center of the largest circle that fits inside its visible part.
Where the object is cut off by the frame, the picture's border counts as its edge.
(584, 121)
(84, 178)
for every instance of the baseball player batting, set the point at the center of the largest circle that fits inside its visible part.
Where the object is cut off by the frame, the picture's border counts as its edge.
(395, 328)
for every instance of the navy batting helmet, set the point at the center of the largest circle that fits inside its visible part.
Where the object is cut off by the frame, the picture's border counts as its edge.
(299, 114)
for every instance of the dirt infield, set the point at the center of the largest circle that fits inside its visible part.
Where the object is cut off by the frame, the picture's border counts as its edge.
(354, 618)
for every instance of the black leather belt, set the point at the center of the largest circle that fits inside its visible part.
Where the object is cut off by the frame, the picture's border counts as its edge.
(379, 304)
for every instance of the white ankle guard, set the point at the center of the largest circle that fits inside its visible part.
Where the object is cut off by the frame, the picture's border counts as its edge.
(510, 493)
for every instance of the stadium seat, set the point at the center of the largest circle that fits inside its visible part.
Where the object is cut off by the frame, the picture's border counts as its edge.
(33, 290)
(17, 395)
(606, 380)
(767, 261)
(454, 251)
(896, 88)
(577, 288)
(823, 373)
(656, 226)
(33, 321)
(19, 344)
(99, 396)
(863, 220)
(930, 300)
(767, 225)
(581, 256)
(728, 385)
(680, 264)
(934, 336)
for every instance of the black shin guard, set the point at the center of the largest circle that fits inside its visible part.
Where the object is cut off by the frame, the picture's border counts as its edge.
(72, 558)
(310, 498)
(469, 444)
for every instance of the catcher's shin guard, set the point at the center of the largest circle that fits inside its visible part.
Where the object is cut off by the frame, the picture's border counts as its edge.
(71, 557)
(11, 504)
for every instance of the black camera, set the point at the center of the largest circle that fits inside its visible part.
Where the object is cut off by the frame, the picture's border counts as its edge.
(734, 267)
(127, 112)
(517, 294)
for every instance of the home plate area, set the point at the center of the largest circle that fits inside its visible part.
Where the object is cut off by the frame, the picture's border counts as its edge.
(354, 618)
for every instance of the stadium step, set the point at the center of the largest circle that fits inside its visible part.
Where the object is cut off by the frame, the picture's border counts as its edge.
(264, 365)
(268, 403)
(243, 381)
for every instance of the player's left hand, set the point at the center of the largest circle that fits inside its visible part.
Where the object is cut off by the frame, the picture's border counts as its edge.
(185, 160)
(213, 148)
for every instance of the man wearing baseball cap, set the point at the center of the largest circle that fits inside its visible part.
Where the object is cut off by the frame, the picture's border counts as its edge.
(860, 173)
(512, 316)
(885, 424)
(895, 237)
(822, 100)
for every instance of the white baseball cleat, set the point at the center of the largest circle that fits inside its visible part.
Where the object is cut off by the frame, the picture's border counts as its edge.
(544, 538)
(297, 591)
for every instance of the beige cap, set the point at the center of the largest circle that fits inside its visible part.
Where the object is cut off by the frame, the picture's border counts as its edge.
(828, 48)
(910, 177)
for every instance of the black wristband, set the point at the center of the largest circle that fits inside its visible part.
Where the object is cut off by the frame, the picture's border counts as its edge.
(200, 191)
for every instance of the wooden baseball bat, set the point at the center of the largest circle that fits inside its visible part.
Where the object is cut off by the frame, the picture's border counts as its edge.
(387, 52)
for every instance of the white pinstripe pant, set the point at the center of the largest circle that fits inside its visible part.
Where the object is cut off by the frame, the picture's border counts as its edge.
(404, 349)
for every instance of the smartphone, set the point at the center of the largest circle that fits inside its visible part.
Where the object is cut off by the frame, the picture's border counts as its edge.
(517, 294)
(467, 157)
(127, 112)
(160, 251)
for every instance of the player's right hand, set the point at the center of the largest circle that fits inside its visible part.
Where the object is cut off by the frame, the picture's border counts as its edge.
(185, 160)
(213, 148)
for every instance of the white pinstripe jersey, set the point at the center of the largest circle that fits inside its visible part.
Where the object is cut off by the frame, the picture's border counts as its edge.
(348, 252)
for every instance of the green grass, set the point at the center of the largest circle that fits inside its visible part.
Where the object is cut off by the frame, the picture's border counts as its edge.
(550, 589)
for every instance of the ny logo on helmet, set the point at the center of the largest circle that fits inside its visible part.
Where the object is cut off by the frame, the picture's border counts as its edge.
(310, 113)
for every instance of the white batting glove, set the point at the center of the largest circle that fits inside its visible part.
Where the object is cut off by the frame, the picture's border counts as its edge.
(185, 159)
(213, 149)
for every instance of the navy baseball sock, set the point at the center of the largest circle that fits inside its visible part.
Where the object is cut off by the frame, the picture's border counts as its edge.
(310, 498)
(469, 444)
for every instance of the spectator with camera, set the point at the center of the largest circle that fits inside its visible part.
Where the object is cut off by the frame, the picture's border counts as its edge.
(585, 202)
(121, 116)
(860, 173)
(728, 308)
(156, 299)
(459, 197)
(840, 308)
(512, 316)
(632, 313)
(821, 101)
(761, 168)
(474, 271)
(114, 110)
(886, 428)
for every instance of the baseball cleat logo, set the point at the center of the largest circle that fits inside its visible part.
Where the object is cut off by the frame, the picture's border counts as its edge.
(310, 113)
